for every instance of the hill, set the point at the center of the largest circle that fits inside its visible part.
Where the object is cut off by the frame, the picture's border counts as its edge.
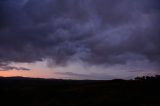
(20, 91)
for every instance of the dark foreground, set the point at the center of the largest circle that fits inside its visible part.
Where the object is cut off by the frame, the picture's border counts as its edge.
(40, 92)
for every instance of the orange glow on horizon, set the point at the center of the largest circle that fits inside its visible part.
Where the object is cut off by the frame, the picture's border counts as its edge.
(38, 70)
(34, 74)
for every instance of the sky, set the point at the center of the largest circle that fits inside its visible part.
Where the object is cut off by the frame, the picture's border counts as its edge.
(79, 39)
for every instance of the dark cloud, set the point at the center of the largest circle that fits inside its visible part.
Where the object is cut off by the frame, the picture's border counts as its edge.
(6, 67)
(97, 32)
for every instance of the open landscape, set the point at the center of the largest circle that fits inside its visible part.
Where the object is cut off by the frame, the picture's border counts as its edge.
(19, 91)
(79, 52)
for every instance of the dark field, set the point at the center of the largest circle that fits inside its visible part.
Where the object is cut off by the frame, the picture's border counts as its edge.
(19, 91)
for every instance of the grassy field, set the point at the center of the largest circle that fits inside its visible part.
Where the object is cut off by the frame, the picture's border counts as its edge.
(18, 91)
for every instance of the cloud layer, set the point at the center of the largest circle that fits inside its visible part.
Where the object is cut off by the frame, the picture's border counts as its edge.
(6, 67)
(97, 32)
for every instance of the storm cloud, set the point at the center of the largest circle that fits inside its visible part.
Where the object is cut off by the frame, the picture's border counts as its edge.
(6, 67)
(96, 32)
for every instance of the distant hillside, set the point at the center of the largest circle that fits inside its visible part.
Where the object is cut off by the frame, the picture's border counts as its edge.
(21, 91)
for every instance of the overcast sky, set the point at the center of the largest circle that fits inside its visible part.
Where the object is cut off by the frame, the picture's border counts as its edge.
(79, 39)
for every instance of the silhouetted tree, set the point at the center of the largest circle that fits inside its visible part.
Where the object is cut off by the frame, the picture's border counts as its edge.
(142, 78)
